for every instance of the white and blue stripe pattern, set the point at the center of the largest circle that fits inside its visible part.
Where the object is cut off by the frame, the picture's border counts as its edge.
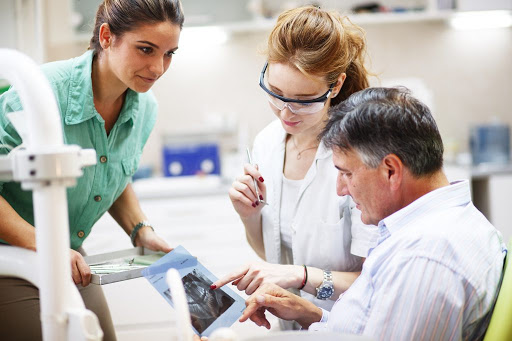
(433, 275)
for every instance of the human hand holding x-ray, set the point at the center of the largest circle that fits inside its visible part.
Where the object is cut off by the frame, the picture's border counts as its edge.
(150, 240)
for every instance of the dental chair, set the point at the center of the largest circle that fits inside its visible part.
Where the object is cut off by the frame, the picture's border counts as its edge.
(500, 326)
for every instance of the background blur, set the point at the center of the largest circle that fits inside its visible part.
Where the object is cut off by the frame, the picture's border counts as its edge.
(456, 55)
(212, 83)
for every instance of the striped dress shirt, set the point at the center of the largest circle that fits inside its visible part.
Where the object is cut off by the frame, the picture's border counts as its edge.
(433, 274)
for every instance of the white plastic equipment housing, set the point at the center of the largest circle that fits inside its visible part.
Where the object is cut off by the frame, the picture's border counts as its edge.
(46, 166)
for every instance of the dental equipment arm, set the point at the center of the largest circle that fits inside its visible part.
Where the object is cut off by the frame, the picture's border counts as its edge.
(46, 167)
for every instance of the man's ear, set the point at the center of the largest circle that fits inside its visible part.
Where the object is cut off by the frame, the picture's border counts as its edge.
(105, 36)
(393, 169)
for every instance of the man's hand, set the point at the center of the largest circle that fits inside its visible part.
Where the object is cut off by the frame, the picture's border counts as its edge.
(147, 238)
(80, 271)
(281, 303)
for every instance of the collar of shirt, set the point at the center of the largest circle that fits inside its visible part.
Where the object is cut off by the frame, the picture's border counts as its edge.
(81, 99)
(456, 194)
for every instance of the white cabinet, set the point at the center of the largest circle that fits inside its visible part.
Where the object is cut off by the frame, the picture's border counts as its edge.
(8, 24)
(21, 27)
(491, 191)
(492, 195)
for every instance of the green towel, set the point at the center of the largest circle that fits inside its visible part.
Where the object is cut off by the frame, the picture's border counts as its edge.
(148, 259)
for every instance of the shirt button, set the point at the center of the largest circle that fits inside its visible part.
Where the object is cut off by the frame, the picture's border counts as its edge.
(103, 159)
(80, 234)
(97, 198)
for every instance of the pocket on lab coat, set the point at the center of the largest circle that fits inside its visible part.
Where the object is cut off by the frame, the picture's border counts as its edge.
(332, 251)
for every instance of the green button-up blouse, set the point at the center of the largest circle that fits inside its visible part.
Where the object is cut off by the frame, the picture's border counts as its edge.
(118, 154)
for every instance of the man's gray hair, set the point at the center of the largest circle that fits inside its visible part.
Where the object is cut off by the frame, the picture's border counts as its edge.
(376, 122)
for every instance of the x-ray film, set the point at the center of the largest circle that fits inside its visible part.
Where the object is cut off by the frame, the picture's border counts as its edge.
(209, 309)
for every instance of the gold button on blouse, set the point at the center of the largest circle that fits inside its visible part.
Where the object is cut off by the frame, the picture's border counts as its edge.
(103, 159)
(80, 234)
(97, 198)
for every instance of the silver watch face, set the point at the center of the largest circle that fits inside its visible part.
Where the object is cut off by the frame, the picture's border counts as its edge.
(324, 292)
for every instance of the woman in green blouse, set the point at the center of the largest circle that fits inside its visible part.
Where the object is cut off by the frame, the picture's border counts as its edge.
(104, 104)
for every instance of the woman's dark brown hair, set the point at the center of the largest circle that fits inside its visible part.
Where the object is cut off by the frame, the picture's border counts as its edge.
(125, 15)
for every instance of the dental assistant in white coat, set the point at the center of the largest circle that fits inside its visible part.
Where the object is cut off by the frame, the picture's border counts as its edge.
(312, 240)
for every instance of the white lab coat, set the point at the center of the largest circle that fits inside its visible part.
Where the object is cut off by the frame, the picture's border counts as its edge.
(327, 230)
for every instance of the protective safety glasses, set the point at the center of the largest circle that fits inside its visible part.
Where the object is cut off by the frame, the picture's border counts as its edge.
(296, 106)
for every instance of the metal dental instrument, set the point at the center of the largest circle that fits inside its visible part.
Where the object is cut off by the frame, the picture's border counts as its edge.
(261, 201)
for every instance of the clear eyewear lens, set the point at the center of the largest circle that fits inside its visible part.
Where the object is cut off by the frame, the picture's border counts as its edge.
(296, 108)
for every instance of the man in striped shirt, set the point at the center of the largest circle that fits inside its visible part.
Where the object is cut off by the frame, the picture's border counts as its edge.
(436, 266)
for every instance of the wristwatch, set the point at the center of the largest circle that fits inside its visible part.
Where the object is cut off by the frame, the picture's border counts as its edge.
(326, 289)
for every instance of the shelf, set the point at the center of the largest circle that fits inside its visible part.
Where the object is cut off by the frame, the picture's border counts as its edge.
(481, 171)
(182, 186)
(263, 24)
(400, 17)
(486, 170)
(260, 25)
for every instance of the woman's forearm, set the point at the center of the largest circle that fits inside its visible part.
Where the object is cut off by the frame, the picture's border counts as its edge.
(254, 235)
(126, 210)
(341, 280)
(14, 229)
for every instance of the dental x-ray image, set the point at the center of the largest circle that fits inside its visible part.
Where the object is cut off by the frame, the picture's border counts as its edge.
(209, 309)
(205, 304)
